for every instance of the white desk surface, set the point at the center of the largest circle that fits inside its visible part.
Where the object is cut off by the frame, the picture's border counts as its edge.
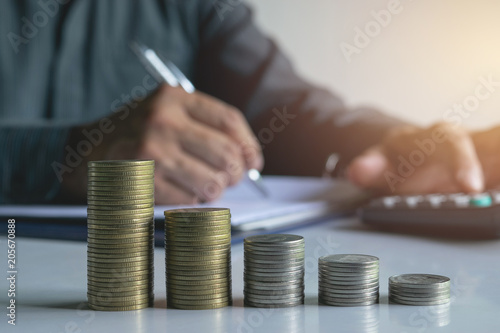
(52, 289)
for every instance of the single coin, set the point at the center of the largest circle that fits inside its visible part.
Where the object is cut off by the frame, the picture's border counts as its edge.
(420, 281)
(120, 163)
(275, 240)
(119, 308)
(198, 212)
(348, 259)
(419, 303)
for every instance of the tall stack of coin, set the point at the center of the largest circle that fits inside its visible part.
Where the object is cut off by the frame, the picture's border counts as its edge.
(419, 289)
(120, 222)
(348, 280)
(274, 270)
(198, 258)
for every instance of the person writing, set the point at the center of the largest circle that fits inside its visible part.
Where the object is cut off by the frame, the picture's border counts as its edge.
(73, 92)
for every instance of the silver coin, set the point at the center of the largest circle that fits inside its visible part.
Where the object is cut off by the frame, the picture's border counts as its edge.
(349, 296)
(337, 303)
(419, 303)
(349, 259)
(253, 299)
(347, 276)
(274, 292)
(275, 240)
(348, 285)
(420, 299)
(348, 291)
(350, 270)
(273, 305)
(420, 281)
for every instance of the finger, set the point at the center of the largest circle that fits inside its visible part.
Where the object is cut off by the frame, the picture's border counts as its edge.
(464, 164)
(194, 176)
(215, 148)
(368, 169)
(229, 121)
(167, 193)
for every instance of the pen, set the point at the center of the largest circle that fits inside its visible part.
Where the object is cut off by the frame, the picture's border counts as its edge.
(166, 71)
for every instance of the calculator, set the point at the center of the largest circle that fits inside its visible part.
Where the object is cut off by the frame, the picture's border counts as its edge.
(453, 214)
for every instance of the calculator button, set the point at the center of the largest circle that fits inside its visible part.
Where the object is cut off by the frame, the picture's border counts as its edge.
(413, 201)
(391, 202)
(462, 201)
(480, 200)
(495, 196)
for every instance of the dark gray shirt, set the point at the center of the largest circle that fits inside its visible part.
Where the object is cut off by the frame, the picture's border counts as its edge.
(67, 62)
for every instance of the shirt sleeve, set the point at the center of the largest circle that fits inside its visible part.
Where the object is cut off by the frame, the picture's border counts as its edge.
(31, 163)
(298, 124)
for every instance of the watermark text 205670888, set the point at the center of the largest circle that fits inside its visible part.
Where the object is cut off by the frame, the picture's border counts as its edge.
(11, 271)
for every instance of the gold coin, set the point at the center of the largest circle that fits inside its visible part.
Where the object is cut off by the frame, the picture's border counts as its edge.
(200, 288)
(90, 258)
(197, 272)
(222, 300)
(117, 202)
(199, 307)
(198, 254)
(120, 270)
(206, 292)
(174, 276)
(187, 247)
(131, 300)
(199, 282)
(100, 235)
(192, 212)
(120, 222)
(144, 288)
(117, 208)
(109, 274)
(113, 172)
(131, 241)
(195, 234)
(121, 194)
(120, 163)
(120, 308)
(187, 221)
(120, 227)
(110, 248)
(205, 297)
(102, 278)
(125, 252)
(118, 177)
(120, 284)
(149, 211)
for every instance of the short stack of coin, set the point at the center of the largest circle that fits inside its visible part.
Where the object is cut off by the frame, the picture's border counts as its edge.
(120, 214)
(419, 289)
(198, 258)
(348, 280)
(274, 270)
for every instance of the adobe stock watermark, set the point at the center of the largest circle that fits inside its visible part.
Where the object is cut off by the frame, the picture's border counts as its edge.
(224, 6)
(94, 137)
(219, 180)
(454, 116)
(31, 26)
(363, 36)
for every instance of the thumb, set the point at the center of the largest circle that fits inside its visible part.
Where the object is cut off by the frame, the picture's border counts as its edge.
(368, 169)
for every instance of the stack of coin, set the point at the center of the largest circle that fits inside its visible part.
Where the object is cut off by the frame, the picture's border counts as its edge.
(348, 280)
(120, 223)
(274, 270)
(198, 258)
(419, 289)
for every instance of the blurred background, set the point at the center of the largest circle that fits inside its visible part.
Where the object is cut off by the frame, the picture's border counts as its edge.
(429, 57)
